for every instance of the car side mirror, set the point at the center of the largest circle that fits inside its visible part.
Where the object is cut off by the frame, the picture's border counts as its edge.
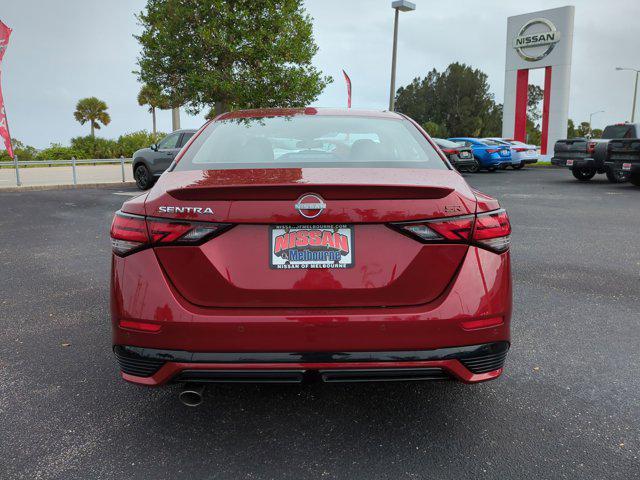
(154, 147)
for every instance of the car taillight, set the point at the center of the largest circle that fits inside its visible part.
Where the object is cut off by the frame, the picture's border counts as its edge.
(130, 233)
(520, 149)
(489, 230)
(450, 151)
(493, 150)
(493, 230)
(591, 147)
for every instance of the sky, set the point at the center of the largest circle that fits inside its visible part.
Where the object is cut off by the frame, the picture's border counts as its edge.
(62, 51)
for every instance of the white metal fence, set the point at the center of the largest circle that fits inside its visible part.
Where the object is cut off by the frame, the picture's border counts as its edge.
(16, 164)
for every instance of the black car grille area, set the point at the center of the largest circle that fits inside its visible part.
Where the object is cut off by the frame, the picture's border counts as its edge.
(134, 364)
(485, 363)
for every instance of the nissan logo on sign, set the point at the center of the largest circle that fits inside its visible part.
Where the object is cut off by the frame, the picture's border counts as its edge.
(536, 39)
(310, 205)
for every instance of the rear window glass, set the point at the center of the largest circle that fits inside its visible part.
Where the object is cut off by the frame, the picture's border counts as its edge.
(488, 141)
(446, 143)
(619, 131)
(310, 141)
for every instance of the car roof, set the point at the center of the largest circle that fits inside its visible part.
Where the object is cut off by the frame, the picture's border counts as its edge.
(310, 111)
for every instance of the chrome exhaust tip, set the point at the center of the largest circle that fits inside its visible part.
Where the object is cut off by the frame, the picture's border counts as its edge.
(191, 395)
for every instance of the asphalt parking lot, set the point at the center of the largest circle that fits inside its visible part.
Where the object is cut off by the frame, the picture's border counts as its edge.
(568, 405)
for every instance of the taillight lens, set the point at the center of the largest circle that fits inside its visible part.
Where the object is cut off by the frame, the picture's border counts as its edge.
(591, 147)
(450, 151)
(456, 229)
(520, 149)
(493, 150)
(489, 230)
(130, 233)
(493, 230)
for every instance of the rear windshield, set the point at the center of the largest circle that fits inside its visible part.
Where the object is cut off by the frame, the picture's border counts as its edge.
(446, 143)
(310, 141)
(490, 141)
(619, 131)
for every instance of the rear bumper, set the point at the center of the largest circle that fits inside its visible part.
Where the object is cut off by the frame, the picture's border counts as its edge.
(140, 292)
(577, 162)
(631, 167)
(469, 364)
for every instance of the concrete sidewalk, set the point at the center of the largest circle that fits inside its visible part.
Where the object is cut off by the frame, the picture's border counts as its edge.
(51, 176)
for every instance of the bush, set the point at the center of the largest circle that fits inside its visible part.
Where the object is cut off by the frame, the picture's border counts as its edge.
(95, 147)
(22, 151)
(58, 152)
(130, 142)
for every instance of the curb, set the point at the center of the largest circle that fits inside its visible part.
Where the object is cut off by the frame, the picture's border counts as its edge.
(81, 186)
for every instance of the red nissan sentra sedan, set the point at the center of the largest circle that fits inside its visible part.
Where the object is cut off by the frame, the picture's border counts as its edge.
(293, 244)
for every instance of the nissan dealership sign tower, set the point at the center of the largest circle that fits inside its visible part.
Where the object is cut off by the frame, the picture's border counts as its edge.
(538, 40)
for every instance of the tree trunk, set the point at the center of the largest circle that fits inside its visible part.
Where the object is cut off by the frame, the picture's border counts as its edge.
(220, 108)
(175, 118)
(93, 133)
(153, 114)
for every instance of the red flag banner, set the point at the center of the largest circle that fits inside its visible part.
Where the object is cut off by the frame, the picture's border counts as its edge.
(5, 33)
(348, 80)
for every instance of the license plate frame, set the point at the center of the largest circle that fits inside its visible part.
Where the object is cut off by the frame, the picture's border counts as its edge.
(325, 246)
(570, 163)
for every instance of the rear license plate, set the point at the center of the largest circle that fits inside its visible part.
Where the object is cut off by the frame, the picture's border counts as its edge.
(464, 155)
(504, 153)
(626, 166)
(569, 163)
(311, 246)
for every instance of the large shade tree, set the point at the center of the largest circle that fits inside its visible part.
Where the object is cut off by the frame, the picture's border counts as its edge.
(458, 100)
(94, 111)
(222, 54)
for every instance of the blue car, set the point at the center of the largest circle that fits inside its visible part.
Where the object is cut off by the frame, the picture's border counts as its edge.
(490, 154)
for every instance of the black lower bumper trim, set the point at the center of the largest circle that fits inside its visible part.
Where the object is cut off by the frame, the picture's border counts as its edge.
(145, 362)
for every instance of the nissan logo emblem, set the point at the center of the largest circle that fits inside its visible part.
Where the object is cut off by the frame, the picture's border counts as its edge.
(536, 39)
(310, 205)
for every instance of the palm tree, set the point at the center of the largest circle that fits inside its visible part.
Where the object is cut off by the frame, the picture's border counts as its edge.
(151, 95)
(92, 110)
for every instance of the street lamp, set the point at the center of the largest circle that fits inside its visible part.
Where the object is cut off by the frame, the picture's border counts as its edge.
(590, 117)
(635, 91)
(398, 6)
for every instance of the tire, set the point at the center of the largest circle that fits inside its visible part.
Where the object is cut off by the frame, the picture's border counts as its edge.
(583, 174)
(616, 176)
(491, 169)
(475, 168)
(634, 178)
(518, 167)
(142, 175)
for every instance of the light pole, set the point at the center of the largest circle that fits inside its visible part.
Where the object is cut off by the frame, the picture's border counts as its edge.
(590, 117)
(635, 91)
(398, 6)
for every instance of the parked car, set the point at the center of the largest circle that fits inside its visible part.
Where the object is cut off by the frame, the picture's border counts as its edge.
(489, 154)
(368, 263)
(521, 153)
(149, 163)
(460, 157)
(586, 157)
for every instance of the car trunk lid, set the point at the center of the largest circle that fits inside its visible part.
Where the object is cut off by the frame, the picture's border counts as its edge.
(379, 266)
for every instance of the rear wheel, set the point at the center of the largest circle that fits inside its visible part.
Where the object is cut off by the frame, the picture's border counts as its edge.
(491, 169)
(142, 175)
(519, 166)
(616, 176)
(634, 178)
(583, 174)
(473, 168)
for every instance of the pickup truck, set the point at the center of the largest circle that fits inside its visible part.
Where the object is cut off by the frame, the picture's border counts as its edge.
(624, 156)
(586, 157)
